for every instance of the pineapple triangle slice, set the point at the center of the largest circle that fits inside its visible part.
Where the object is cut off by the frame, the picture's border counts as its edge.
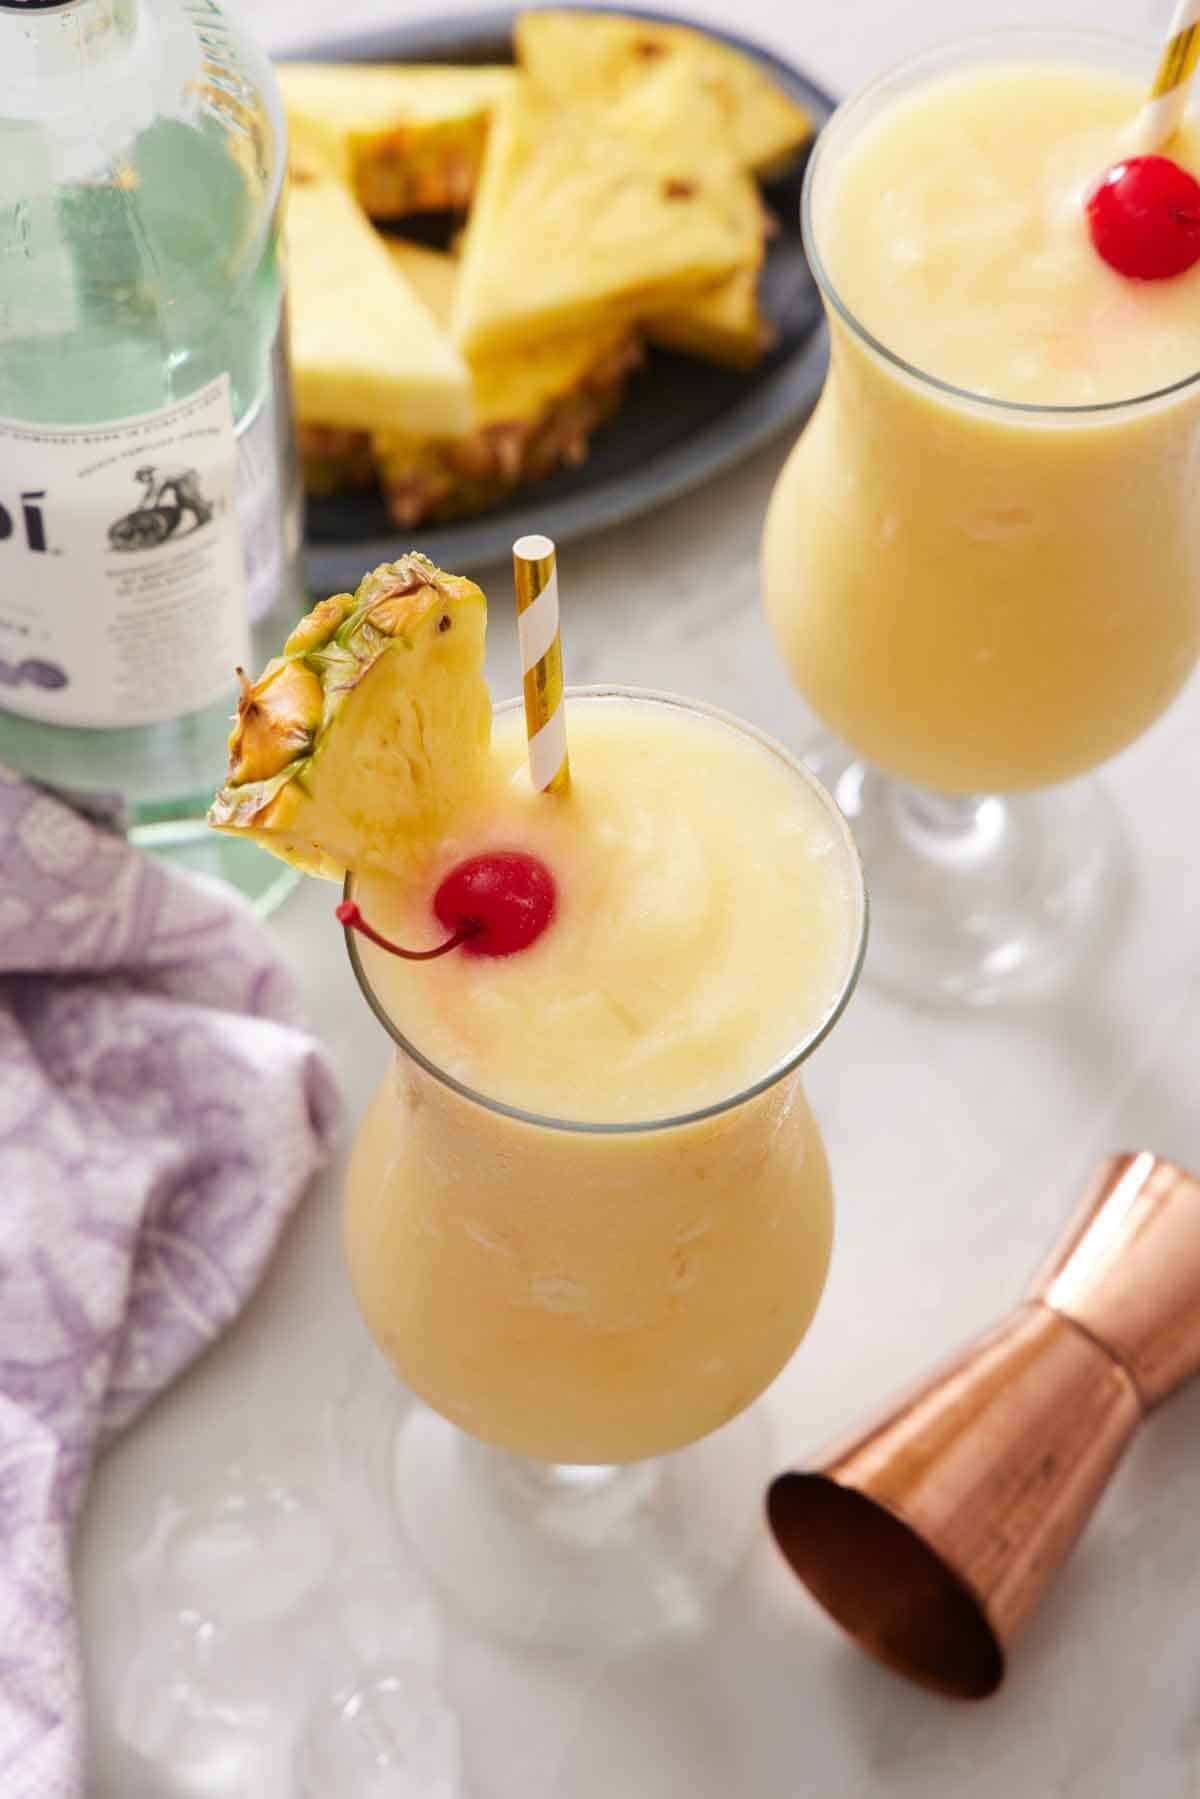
(365, 350)
(682, 122)
(406, 137)
(725, 325)
(584, 55)
(354, 747)
(577, 225)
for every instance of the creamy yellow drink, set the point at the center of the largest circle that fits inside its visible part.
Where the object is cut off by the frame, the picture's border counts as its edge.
(983, 568)
(616, 1274)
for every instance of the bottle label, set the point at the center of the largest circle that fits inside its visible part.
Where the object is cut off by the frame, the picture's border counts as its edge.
(122, 584)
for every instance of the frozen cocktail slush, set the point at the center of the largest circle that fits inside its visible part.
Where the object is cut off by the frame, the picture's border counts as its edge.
(580, 1288)
(982, 561)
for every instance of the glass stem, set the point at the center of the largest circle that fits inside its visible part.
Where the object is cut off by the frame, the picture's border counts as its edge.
(553, 1480)
(948, 827)
(578, 1502)
(941, 814)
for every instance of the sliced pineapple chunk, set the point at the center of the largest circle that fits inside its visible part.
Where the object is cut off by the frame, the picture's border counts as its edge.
(724, 325)
(680, 121)
(353, 748)
(407, 137)
(582, 56)
(579, 224)
(364, 348)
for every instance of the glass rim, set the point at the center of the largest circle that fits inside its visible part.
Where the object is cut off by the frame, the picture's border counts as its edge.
(1007, 37)
(791, 1060)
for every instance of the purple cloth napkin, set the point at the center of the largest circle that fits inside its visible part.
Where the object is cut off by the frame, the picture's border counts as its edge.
(160, 1113)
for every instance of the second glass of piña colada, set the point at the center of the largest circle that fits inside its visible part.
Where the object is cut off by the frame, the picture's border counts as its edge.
(588, 1217)
(982, 560)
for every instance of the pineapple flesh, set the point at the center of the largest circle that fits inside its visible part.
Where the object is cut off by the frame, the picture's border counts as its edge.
(407, 138)
(354, 747)
(584, 56)
(365, 349)
(579, 223)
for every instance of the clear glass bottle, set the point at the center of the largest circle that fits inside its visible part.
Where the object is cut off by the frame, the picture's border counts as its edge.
(150, 506)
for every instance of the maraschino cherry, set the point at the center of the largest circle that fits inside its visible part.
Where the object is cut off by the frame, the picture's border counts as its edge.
(1144, 218)
(492, 905)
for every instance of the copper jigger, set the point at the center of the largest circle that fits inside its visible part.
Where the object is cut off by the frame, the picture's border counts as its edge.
(932, 1536)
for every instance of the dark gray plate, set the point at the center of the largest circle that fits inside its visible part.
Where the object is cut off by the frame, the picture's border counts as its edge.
(682, 421)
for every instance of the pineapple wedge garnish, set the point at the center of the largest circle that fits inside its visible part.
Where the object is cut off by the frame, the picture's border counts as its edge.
(354, 747)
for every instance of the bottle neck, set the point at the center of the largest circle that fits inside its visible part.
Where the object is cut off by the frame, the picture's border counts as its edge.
(45, 51)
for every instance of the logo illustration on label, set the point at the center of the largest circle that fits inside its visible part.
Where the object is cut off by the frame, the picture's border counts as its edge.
(167, 494)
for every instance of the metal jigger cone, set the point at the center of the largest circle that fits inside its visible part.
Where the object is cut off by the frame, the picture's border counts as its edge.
(932, 1535)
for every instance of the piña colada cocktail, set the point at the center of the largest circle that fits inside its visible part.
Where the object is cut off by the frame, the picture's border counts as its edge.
(589, 1216)
(982, 560)
(627, 1275)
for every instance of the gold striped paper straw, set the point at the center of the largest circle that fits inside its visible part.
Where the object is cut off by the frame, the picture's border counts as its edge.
(536, 575)
(1160, 117)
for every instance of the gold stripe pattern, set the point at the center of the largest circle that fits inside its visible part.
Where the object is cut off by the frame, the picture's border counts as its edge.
(1163, 111)
(1178, 61)
(535, 576)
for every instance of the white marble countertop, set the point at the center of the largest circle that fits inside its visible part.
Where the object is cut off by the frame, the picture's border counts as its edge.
(958, 1142)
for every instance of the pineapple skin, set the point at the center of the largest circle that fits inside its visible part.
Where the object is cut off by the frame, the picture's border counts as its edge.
(352, 748)
(532, 418)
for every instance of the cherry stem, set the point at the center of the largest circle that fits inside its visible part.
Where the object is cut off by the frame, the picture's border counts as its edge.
(349, 915)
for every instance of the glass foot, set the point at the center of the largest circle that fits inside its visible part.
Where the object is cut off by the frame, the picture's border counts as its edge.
(188, 843)
(587, 1558)
(977, 899)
